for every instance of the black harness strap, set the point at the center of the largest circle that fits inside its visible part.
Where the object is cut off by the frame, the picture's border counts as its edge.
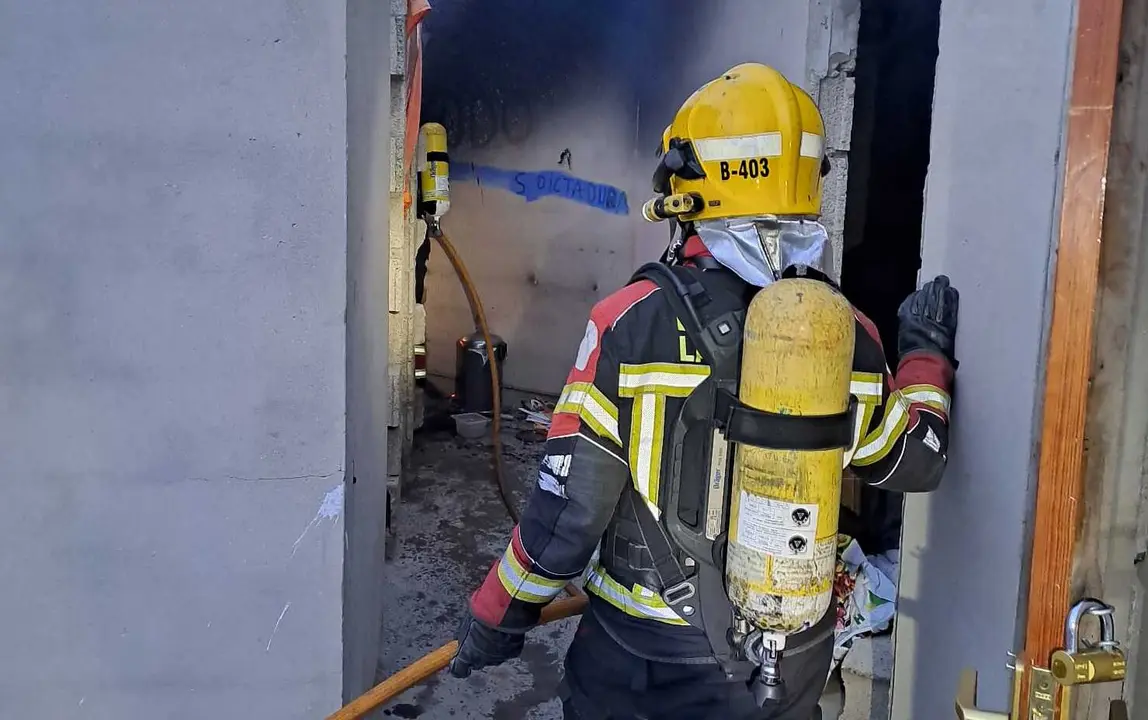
(741, 423)
(719, 342)
(676, 585)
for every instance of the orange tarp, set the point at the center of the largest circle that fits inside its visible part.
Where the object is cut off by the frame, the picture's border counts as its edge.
(416, 11)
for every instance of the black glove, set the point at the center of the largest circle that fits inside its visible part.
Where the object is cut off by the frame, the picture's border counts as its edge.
(929, 320)
(480, 646)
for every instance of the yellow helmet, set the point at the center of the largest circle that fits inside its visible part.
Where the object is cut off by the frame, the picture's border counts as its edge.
(749, 143)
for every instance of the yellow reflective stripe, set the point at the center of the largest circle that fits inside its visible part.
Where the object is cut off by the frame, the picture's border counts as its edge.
(684, 353)
(861, 421)
(878, 443)
(647, 432)
(867, 386)
(930, 395)
(673, 379)
(523, 585)
(649, 384)
(637, 602)
(595, 409)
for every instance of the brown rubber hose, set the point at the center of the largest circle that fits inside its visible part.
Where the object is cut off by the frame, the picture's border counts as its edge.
(479, 314)
(435, 661)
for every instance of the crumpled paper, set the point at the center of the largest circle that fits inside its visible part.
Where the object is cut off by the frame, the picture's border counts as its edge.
(866, 590)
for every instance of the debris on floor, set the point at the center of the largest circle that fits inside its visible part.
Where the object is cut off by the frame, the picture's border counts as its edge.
(866, 592)
(451, 527)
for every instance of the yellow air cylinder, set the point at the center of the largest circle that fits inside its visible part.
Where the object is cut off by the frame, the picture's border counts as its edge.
(434, 169)
(797, 360)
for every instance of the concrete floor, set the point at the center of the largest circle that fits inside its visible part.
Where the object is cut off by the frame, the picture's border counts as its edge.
(451, 527)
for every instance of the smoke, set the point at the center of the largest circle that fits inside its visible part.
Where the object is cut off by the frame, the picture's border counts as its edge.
(496, 67)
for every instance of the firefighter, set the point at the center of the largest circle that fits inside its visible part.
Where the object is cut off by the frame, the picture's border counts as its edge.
(741, 174)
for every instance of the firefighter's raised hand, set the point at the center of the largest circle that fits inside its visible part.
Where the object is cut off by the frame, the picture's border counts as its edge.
(928, 319)
(480, 646)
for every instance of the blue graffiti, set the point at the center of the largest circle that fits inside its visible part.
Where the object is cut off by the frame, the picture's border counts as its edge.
(533, 186)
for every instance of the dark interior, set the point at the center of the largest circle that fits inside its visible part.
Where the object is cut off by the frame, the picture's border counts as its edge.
(896, 69)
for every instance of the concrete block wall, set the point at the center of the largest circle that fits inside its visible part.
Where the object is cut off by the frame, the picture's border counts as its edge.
(831, 59)
(402, 247)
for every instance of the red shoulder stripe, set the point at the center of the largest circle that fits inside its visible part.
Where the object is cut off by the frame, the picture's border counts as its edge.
(602, 318)
(611, 308)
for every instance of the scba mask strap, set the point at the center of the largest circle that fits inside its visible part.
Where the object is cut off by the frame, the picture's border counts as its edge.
(678, 160)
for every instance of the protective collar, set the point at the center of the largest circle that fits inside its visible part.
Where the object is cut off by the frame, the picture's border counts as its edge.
(760, 249)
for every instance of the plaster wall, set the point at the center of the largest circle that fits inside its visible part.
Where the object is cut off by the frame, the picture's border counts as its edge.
(172, 290)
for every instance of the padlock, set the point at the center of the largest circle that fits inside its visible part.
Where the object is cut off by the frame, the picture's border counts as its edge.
(1094, 665)
(1077, 665)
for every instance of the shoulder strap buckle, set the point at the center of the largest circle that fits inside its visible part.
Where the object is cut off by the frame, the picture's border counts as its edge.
(679, 594)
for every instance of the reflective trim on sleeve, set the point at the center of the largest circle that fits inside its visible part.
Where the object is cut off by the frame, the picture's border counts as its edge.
(637, 602)
(929, 395)
(861, 420)
(592, 407)
(867, 386)
(673, 379)
(878, 443)
(521, 584)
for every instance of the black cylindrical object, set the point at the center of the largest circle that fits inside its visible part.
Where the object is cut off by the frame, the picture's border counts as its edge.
(472, 389)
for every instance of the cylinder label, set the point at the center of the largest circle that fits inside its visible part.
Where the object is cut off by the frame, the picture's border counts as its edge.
(805, 576)
(776, 527)
(715, 499)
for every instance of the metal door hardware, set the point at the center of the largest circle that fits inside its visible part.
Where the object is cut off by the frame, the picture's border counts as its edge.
(1082, 664)
(1042, 695)
(1049, 690)
(967, 700)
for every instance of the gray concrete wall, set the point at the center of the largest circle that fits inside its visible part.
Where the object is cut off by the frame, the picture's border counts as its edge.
(595, 82)
(172, 288)
(370, 33)
(989, 223)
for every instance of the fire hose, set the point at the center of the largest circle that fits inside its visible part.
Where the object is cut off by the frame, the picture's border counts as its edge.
(435, 661)
(431, 663)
